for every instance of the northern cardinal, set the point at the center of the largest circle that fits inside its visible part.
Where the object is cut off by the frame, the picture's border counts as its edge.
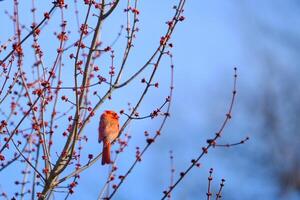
(108, 131)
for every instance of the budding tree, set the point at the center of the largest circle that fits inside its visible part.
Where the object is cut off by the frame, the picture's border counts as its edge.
(58, 76)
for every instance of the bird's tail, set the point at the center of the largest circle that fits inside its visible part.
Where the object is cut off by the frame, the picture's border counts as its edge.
(106, 153)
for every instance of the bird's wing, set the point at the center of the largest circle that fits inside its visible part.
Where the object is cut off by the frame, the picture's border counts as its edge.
(102, 127)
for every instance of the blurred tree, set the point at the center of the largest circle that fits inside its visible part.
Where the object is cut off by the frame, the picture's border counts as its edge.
(275, 42)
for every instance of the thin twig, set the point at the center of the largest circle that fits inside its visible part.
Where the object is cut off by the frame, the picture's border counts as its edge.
(213, 141)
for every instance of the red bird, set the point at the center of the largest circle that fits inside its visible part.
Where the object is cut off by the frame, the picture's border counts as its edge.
(108, 131)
